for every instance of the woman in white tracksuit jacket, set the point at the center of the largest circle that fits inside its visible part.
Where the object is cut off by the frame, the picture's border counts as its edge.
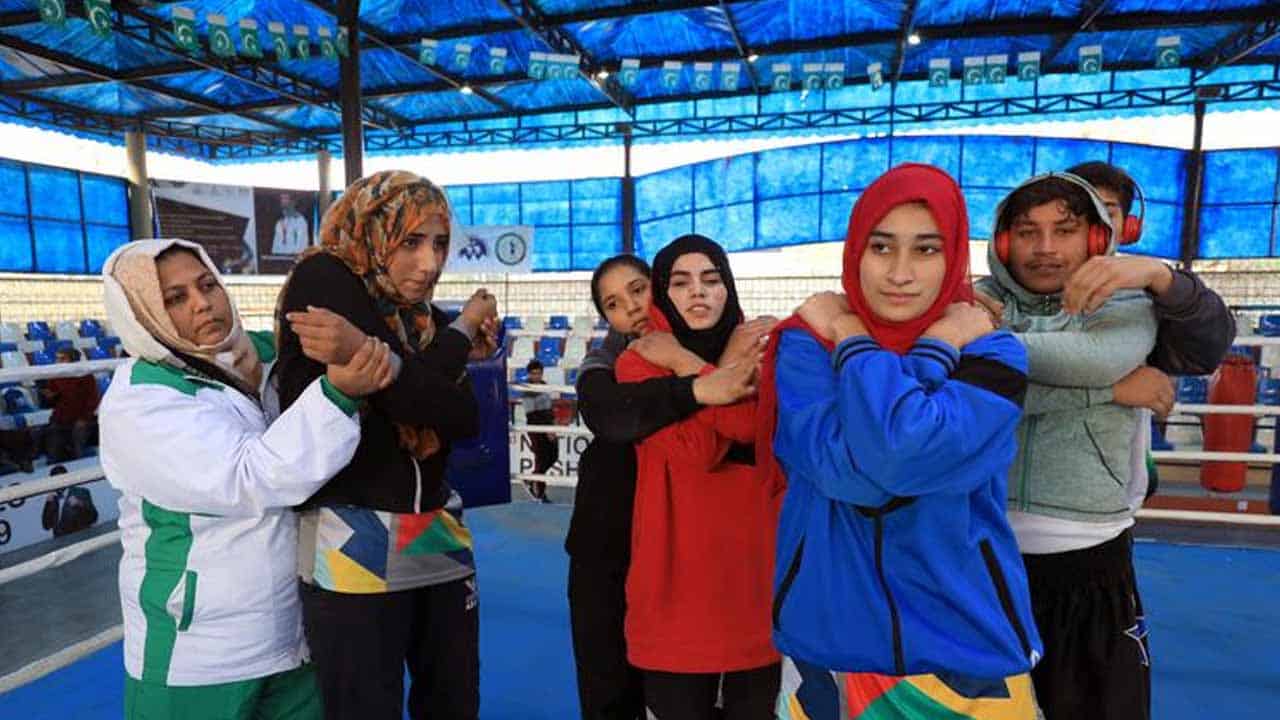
(208, 579)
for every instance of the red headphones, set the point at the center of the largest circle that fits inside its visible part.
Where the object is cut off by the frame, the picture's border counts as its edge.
(1132, 229)
(1099, 234)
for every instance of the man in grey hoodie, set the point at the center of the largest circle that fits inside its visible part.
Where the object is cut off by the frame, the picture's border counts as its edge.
(1069, 503)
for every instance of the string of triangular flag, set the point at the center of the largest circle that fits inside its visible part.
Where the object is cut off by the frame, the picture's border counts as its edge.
(294, 42)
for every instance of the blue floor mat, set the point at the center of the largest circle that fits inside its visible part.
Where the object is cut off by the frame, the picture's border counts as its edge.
(1215, 632)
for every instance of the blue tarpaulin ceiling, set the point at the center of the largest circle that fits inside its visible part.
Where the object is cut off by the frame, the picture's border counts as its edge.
(199, 103)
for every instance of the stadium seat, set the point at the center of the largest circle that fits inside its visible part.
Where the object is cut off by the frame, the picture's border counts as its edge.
(19, 400)
(90, 328)
(513, 322)
(595, 343)
(67, 330)
(10, 333)
(1269, 391)
(558, 322)
(1269, 325)
(39, 330)
(13, 359)
(574, 350)
(56, 344)
(571, 376)
(584, 325)
(104, 382)
(549, 350)
(554, 376)
(1193, 390)
(97, 353)
(108, 341)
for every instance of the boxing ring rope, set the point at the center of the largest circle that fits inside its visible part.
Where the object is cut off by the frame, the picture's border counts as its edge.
(107, 637)
(58, 370)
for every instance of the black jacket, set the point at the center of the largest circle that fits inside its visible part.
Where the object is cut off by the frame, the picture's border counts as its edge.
(432, 390)
(619, 414)
(1196, 328)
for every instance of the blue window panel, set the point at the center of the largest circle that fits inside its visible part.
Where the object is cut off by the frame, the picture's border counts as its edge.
(55, 193)
(15, 244)
(996, 161)
(982, 210)
(918, 92)
(106, 200)
(942, 152)
(1240, 176)
(1057, 155)
(789, 171)
(495, 204)
(853, 165)
(593, 244)
(551, 249)
(724, 181)
(545, 203)
(655, 234)
(1161, 232)
(102, 240)
(788, 221)
(13, 200)
(788, 102)
(836, 208)
(1160, 171)
(460, 202)
(1236, 231)
(664, 193)
(597, 201)
(733, 226)
(59, 246)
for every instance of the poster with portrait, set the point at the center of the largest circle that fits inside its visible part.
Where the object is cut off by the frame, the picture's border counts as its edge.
(218, 217)
(285, 226)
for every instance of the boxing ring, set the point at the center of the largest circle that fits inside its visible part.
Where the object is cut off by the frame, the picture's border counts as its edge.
(1209, 582)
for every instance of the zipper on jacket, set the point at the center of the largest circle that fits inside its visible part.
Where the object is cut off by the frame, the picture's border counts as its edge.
(785, 586)
(1024, 502)
(877, 516)
(1006, 598)
(417, 489)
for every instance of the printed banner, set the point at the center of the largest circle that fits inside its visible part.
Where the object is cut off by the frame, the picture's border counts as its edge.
(491, 249)
(284, 221)
(68, 511)
(218, 217)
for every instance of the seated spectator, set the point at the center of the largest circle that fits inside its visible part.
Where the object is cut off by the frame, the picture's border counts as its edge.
(75, 406)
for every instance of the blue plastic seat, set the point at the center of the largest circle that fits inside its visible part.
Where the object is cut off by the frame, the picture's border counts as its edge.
(1269, 391)
(108, 341)
(558, 322)
(1193, 390)
(16, 402)
(38, 330)
(1269, 325)
(512, 322)
(91, 328)
(97, 353)
(43, 357)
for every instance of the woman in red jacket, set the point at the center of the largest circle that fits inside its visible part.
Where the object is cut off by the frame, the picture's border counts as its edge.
(702, 542)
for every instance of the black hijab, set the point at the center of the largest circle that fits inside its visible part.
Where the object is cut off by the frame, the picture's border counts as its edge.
(710, 343)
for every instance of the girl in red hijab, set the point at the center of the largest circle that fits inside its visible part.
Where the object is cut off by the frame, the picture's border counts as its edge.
(890, 412)
(702, 539)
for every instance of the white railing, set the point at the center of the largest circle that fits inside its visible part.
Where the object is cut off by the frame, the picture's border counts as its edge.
(57, 370)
